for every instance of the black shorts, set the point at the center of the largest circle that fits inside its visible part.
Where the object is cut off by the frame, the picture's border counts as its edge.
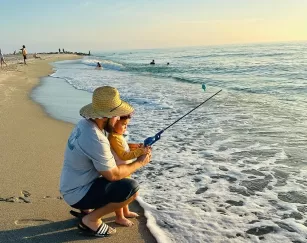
(24, 57)
(103, 192)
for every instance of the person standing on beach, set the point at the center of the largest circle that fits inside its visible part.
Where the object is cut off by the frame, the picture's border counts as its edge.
(90, 178)
(24, 53)
(124, 153)
(2, 59)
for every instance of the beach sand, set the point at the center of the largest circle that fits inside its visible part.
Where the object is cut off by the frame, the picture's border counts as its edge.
(32, 146)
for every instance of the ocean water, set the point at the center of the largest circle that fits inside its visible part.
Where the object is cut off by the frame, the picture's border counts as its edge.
(235, 169)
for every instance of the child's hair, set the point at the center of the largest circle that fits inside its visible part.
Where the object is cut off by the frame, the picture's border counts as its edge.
(126, 117)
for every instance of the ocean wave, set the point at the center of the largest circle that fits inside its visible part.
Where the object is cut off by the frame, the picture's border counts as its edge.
(186, 80)
(238, 54)
(104, 63)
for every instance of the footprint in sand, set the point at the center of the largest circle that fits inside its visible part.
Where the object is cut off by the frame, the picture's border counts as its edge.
(25, 193)
(32, 222)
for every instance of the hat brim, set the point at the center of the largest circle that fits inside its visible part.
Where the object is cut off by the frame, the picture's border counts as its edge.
(123, 110)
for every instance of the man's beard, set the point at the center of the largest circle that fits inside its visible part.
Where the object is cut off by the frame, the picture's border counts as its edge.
(108, 127)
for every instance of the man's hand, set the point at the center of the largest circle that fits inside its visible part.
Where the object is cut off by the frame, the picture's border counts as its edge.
(121, 171)
(145, 158)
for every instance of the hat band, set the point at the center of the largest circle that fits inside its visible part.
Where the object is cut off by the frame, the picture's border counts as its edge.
(116, 107)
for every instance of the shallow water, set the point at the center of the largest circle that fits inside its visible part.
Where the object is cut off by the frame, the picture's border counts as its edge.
(232, 171)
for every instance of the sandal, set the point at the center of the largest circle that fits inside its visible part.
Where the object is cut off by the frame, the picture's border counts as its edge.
(102, 231)
(79, 215)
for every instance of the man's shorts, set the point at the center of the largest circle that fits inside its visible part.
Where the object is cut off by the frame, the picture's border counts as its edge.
(24, 57)
(103, 192)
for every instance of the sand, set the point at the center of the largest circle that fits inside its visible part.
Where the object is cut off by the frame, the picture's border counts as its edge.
(31, 155)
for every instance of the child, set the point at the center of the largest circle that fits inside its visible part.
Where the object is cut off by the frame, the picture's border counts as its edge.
(124, 153)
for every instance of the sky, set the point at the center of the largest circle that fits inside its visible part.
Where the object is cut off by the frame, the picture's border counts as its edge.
(83, 25)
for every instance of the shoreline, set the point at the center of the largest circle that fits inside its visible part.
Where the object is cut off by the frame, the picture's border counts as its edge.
(33, 144)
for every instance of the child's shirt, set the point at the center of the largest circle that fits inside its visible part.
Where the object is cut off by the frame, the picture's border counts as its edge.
(121, 150)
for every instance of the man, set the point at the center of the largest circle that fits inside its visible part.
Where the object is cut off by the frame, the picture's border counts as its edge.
(24, 53)
(90, 178)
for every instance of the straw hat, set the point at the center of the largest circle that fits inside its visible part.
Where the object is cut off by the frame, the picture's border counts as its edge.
(106, 102)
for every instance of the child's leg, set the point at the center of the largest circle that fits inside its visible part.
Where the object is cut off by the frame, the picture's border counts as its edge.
(120, 218)
(128, 213)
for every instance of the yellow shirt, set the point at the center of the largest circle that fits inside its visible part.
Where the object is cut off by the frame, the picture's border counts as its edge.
(121, 150)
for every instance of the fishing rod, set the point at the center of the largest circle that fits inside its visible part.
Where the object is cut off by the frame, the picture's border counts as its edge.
(151, 140)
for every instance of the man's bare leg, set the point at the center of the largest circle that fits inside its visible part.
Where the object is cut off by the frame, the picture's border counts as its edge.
(93, 219)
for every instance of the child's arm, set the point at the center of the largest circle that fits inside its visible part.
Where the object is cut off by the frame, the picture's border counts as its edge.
(133, 146)
(117, 146)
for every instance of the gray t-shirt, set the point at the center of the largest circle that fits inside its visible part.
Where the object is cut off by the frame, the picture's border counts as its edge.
(87, 152)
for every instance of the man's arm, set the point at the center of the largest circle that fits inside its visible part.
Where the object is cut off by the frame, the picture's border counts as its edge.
(121, 171)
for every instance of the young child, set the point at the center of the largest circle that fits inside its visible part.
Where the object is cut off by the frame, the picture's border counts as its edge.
(124, 153)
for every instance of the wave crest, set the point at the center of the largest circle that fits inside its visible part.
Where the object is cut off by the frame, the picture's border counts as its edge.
(104, 63)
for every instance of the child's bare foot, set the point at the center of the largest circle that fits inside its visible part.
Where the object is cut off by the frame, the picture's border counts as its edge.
(124, 222)
(131, 215)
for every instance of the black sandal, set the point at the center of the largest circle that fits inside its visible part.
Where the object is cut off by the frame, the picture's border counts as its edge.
(79, 215)
(103, 230)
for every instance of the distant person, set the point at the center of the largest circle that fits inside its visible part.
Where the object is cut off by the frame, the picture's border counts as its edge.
(167, 63)
(124, 153)
(14, 52)
(98, 65)
(24, 53)
(2, 59)
(152, 62)
(89, 53)
(36, 56)
(59, 50)
(63, 50)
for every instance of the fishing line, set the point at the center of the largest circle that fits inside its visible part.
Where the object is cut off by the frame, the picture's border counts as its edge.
(151, 140)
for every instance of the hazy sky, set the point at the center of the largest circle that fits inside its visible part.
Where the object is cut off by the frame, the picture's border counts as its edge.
(81, 25)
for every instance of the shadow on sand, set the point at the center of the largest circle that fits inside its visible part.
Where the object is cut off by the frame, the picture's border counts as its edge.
(62, 231)
(66, 231)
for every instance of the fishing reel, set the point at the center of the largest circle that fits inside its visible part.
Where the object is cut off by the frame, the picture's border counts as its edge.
(151, 140)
